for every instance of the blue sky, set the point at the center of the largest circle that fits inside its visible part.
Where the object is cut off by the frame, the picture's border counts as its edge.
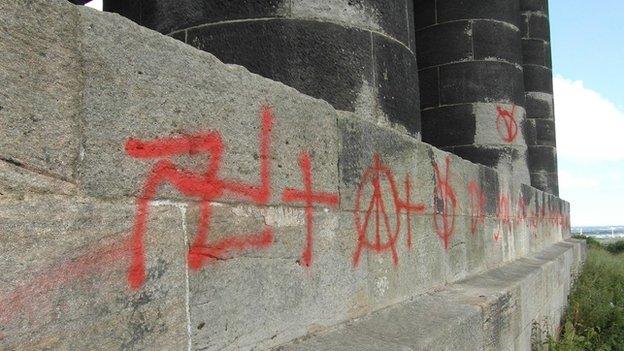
(588, 62)
(587, 41)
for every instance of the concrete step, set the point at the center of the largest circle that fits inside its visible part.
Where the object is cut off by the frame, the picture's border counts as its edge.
(490, 311)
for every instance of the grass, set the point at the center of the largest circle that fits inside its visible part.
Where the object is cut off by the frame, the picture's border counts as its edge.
(595, 316)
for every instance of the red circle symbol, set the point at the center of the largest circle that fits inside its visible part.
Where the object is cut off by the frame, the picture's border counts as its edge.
(377, 207)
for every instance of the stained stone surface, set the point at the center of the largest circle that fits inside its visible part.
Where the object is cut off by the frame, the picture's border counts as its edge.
(71, 224)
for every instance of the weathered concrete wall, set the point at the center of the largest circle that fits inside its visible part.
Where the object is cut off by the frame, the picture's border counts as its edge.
(356, 55)
(153, 197)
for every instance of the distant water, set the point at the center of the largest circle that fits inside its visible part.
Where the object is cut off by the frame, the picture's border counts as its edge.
(610, 232)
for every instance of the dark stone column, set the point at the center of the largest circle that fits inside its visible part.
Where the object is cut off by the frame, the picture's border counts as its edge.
(540, 124)
(471, 80)
(356, 54)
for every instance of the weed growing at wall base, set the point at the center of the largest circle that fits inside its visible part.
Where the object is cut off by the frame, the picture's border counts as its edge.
(595, 317)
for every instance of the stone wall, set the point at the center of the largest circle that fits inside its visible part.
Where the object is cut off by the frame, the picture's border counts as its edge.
(356, 55)
(153, 197)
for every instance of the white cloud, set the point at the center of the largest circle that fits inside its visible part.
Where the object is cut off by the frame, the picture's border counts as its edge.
(588, 125)
(96, 4)
(567, 180)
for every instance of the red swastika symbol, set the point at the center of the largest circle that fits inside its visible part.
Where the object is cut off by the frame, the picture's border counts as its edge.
(444, 196)
(374, 175)
(309, 198)
(506, 124)
(477, 199)
(207, 186)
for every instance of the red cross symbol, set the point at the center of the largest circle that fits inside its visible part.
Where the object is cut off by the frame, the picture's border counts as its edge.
(410, 208)
(309, 198)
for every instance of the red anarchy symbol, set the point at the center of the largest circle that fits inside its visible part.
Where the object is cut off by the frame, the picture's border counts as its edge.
(377, 207)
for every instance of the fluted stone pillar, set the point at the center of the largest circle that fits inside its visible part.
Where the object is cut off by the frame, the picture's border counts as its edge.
(540, 125)
(356, 54)
(471, 80)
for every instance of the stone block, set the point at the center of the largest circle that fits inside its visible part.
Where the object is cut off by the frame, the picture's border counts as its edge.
(511, 159)
(545, 132)
(17, 181)
(538, 79)
(534, 5)
(166, 16)
(470, 82)
(181, 36)
(268, 296)
(151, 102)
(547, 182)
(449, 125)
(530, 132)
(457, 37)
(539, 105)
(424, 14)
(428, 80)
(396, 78)
(536, 52)
(411, 25)
(323, 60)
(451, 10)
(65, 263)
(495, 40)
(40, 85)
(539, 26)
(399, 155)
(499, 124)
(543, 158)
(410, 326)
(389, 18)
(485, 312)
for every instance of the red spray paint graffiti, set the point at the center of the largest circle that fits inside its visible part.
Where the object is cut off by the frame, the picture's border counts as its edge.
(503, 214)
(410, 208)
(444, 219)
(506, 123)
(534, 223)
(309, 198)
(476, 199)
(33, 300)
(542, 217)
(521, 210)
(207, 186)
(376, 206)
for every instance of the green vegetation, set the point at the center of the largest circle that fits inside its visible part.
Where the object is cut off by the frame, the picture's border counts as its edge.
(595, 317)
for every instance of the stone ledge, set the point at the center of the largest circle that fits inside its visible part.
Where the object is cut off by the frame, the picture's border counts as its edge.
(487, 311)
